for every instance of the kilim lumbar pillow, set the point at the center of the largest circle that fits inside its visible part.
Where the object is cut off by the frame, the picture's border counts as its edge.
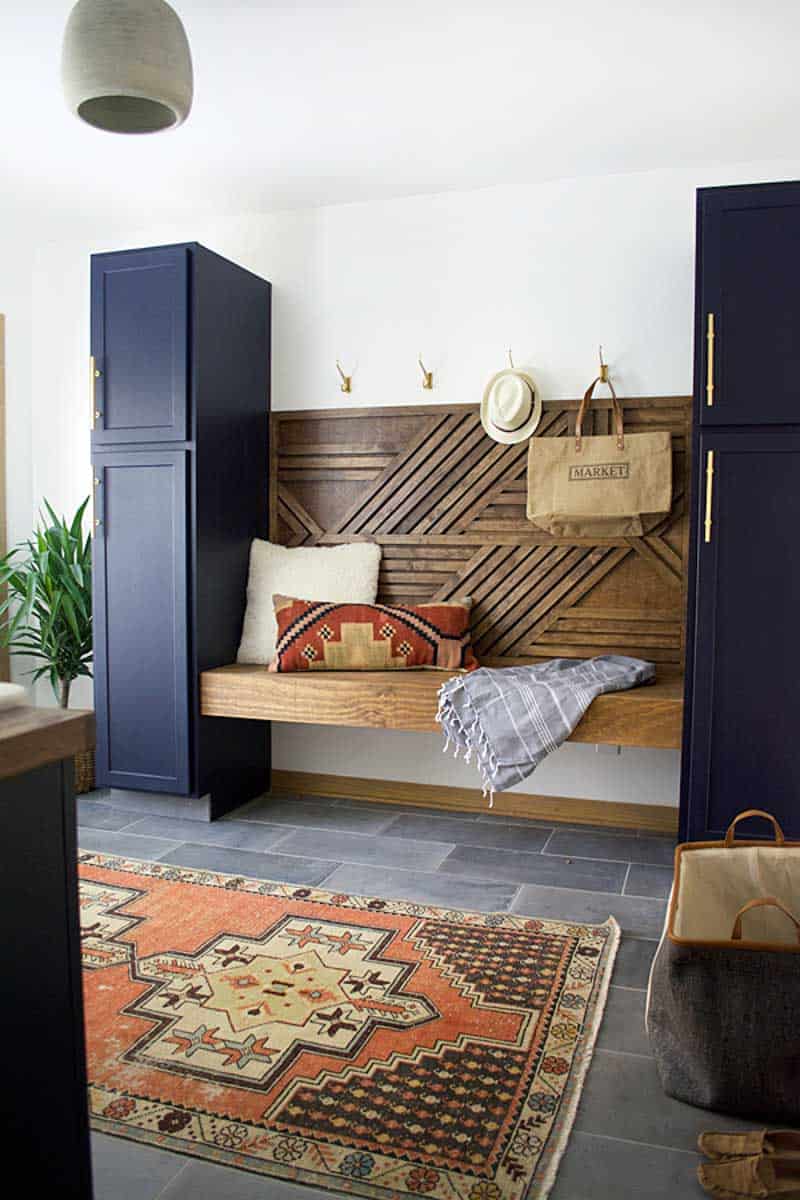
(317, 635)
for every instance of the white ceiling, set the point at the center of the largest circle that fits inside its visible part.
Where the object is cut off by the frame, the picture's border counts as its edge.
(309, 103)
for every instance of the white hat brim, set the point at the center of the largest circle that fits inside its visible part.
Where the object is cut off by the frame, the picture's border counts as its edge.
(510, 437)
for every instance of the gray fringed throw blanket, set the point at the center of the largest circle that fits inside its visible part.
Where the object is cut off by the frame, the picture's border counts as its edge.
(511, 718)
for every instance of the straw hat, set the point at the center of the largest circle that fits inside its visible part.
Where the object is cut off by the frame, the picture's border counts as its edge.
(511, 408)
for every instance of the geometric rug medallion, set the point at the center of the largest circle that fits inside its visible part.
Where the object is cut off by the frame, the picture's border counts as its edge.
(375, 1047)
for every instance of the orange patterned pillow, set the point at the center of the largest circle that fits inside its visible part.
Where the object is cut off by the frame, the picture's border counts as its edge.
(318, 635)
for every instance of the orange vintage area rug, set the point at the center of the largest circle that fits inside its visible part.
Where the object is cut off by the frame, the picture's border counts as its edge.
(375, 1047)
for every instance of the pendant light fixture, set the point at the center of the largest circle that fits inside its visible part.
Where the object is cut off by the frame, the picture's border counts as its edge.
(126, 65)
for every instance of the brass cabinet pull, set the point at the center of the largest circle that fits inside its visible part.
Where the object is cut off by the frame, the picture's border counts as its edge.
(96, 522)
(94, 375)
(709, 492)
(710, 360)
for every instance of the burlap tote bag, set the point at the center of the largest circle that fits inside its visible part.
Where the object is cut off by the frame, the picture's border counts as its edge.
(724, 988)
(616, 486)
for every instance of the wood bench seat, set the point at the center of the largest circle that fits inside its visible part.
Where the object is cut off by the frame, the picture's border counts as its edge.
(643, 716)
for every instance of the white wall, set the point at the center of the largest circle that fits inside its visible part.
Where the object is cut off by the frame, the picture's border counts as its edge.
(549, 269)
(16, 294)
(16, 297)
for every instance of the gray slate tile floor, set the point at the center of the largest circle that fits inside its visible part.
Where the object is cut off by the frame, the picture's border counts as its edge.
(629, 1139)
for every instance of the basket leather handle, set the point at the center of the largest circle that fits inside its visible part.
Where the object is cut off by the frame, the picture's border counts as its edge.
(754, 812)
(584, 407)
(762, 902)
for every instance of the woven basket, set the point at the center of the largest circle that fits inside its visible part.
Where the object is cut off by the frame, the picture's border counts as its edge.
(84, 772)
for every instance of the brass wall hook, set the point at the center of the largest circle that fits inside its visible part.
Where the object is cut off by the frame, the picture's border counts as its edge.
(347, 380)
(603, 368)
(427, 376)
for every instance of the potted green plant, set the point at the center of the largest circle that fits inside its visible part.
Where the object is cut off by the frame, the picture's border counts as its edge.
(46, 609)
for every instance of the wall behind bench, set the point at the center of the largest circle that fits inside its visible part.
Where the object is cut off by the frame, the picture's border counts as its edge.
(549, 269)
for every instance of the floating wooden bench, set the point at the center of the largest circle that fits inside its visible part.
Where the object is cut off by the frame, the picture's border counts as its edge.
(644, 716)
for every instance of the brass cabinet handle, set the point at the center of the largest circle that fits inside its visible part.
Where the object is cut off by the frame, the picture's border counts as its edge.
(710, 360)
(94, 375)
(709, 492)
(96, 522)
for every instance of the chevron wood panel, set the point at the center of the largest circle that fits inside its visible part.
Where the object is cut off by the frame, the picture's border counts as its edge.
(447, 506)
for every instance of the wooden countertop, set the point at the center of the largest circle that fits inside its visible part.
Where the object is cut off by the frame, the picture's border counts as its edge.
(32, 737)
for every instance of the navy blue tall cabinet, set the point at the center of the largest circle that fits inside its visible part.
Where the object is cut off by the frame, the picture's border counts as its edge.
(180, 344)
(741, 734)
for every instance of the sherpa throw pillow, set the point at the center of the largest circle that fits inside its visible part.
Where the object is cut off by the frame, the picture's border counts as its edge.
(337, 572)
(314, 635)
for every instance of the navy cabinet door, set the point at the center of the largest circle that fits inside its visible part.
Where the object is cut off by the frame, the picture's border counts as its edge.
(139, 342)
(748, 249)
(142, 689)
(743, 745)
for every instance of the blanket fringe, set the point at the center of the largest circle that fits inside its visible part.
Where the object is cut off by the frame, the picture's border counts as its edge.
(465, 733)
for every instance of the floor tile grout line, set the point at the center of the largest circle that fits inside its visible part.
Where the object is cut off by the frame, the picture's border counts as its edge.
(550, 837)
(607, 1137)
(285, 882)
(122, 828)
(644, 1056)
(590, 858)
(629, 1053)
(611, 831)
(284, 854)
(547, 883)
(183, 1167)
(541, 854)
(534, 823)
(343, 862)
(318, 828)
(352, 833)
(173, 842)
(446, 875)
(396, 837)
(323, 881)
(281, 839)
(131, 832)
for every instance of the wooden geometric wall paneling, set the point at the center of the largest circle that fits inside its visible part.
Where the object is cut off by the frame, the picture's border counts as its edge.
(447, 505)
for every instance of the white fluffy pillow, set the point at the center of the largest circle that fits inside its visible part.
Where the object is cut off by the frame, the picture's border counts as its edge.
(346, 574)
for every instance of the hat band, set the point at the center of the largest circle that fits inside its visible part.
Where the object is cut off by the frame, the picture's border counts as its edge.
(514, 428)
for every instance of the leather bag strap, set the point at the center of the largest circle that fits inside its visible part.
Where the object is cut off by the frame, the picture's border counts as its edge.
(584, 408)
(754, 812)
(762, 902)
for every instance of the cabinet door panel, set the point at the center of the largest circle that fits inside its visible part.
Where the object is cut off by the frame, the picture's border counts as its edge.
(141, 634)
(139, 341)
(744, 748)
(749, 247)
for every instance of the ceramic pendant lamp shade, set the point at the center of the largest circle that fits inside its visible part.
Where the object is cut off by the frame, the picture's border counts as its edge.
(126, 65)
